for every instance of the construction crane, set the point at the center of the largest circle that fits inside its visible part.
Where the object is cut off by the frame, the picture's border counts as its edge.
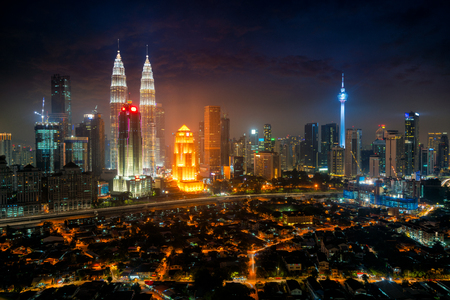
(357, 163)
(41, 114)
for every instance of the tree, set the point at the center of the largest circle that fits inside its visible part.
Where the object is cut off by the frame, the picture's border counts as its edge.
(109, 279)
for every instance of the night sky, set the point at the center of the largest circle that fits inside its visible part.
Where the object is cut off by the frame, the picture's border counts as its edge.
(261, 61)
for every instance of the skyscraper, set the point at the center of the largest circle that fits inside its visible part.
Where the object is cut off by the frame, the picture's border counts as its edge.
(225, 140)
(118, 92)
(130, 141)
(147, 107)
(342, 96)
(329, 139)
(411, 143)
(379, 147)
(6, 147)
(48, 146)
(268, 146)
(353, 152)
(395, 154)
(160, 147)
(184, 166)
(439, 142)
(311, 147)
(76, 151)
(93, 127)
(62, 100)
(212, 138)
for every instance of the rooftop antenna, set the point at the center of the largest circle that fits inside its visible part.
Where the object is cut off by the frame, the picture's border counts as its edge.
(118, 45)
(43, 103)
(147, 51)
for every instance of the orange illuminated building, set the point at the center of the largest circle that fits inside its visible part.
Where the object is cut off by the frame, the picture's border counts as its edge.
(184, 168)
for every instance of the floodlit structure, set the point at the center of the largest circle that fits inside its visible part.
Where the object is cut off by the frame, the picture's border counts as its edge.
(212, 138)
(129, 173)
(184, 169)
(148, 106)
(342, 96)
(118, 92)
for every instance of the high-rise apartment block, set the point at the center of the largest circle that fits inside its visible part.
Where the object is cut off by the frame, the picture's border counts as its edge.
(336, 161)
(438, 141)
(212, 138)
(268, 143)
(267, 164)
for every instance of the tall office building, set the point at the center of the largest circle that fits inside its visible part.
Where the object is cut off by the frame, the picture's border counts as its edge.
(267, 164)
(200, 150)
(268, 145)
(342, 96)
(160, 147)
(184, 168)
(148, 107)
(336, 161)
(438, 141)
(23, 155)
(48, 147)
(379, 148)
(253, 139)
(212, 138)
(353, 152)
(76, 151)
(62, 101)
(411, 143)
(329, 139)
(93, 127)
(130, 177)
(6, 147)
(118, 96)
(395, 154)
(130, 141)
(311, 147)
(224, 141)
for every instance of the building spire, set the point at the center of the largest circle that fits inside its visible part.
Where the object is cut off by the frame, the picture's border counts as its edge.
(342, 79)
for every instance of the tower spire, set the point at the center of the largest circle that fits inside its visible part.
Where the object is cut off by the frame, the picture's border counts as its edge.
(118, 45)
(342, 79)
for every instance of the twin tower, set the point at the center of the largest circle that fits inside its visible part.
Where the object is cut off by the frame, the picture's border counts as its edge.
(145, 163)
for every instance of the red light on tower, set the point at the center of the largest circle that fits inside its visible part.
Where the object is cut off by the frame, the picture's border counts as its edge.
(134, 109)
(123, 108)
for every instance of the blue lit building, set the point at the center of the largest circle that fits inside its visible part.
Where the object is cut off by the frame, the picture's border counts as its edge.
(342, 96)
(402, 194)
(48, 146)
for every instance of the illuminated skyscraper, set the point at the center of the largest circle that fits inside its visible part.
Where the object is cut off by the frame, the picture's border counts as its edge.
(48, 147)
(129, 174)
(62, 101)
(130, 141)
(268, 146)
(184, 168)
(411, 143)
(212, 138)
(118, 92)
(147, 107)
(342, 96)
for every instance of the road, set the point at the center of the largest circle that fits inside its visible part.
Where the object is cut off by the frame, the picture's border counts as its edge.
(34, 220)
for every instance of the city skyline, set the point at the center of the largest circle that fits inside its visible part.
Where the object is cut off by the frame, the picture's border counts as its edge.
(281, 66)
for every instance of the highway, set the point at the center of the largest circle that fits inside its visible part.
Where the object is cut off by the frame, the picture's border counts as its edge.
(34, 220)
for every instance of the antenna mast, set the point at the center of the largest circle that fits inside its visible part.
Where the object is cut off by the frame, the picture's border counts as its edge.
(43, 103)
